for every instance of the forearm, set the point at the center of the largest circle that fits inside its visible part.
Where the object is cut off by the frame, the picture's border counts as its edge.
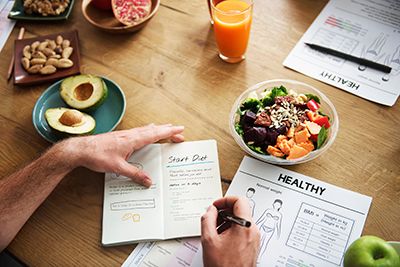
(22, 192)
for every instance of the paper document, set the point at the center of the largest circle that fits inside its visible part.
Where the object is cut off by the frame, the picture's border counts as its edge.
(186, 180)
(366, 29)
(302, 221)
(6, 25)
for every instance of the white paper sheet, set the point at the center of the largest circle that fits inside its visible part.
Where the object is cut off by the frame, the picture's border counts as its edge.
(6, 25)
(186, 180)
(303, 221)
(367, 29)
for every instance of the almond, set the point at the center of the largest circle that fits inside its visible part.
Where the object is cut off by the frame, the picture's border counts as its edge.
(59, 40)
(42, 45)
(34, 69)
(48, 52)
(34, 46)
(25, 63)
(65, 44)
(49, 69)
(66, 53)
(38, 61)
(27, 52)
(64, 63)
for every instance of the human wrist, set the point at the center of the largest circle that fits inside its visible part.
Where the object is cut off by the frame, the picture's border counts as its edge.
(66, 154)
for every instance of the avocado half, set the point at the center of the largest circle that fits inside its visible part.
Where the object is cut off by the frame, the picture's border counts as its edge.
(70, 121)
(83, 92)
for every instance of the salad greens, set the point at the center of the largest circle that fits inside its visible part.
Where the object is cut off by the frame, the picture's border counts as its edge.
(269, 99)
(322, 135)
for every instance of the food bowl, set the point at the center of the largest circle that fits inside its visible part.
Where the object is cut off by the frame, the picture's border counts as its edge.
(299, 87)
(105, 20)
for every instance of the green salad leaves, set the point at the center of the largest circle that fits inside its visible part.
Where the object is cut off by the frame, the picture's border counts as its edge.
(322, 135)
(269, 99)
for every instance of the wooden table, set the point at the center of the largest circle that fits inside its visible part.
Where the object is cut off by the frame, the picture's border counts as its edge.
(170, 72)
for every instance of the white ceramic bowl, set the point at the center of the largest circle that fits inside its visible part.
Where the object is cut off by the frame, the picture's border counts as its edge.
(299, 87)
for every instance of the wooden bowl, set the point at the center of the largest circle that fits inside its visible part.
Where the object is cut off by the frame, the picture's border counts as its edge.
(105, 20)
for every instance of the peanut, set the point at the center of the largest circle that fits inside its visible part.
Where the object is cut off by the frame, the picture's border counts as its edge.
(49, 69)
(25, 63)
(66, 53)
(34, 69)
(26, 52)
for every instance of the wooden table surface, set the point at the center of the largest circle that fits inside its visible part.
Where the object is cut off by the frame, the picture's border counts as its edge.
(170, 72)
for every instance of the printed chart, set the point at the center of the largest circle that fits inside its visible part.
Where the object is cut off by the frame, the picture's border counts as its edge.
(320, 233)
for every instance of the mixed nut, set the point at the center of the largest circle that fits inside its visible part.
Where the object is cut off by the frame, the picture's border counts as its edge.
(47, 56)
(45, 7)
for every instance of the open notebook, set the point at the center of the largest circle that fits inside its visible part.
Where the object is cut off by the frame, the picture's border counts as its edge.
(186, 180)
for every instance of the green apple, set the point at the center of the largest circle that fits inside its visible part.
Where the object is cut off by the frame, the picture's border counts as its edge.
(371, 251)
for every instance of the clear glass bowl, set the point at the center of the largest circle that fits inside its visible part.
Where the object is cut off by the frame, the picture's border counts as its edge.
(299, 87)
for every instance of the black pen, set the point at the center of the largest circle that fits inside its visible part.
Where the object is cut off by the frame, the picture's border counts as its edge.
(226, 216)
(359, 60)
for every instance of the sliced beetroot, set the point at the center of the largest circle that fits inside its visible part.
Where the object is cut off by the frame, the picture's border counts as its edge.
(248, 118)
(271, 136)
(256, 135)
(281, 129)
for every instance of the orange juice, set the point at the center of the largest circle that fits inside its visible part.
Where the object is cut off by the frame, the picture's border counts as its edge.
(232, 21)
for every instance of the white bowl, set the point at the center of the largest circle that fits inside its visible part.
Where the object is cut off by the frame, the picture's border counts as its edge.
(299, 87)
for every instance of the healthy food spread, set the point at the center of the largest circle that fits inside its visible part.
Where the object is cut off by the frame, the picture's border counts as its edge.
(282, 123)
(47, 56)
(45, 7)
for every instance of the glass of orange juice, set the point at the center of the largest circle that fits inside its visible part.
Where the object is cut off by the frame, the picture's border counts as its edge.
(232, 21)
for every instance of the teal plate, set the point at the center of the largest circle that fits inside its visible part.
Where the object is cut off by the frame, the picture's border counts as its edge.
(17, 13)
(107, 116)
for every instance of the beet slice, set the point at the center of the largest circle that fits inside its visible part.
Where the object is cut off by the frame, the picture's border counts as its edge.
(256, 135)
(248, 118)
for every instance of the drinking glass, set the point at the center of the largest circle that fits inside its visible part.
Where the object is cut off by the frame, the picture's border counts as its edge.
(232, 22)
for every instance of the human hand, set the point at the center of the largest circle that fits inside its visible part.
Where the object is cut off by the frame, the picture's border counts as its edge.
(237, 245)
(109, 152)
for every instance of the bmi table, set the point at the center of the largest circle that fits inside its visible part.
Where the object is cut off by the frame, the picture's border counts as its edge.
(170, 72)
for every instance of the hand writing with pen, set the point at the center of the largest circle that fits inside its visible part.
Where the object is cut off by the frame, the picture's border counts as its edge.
(236, 245)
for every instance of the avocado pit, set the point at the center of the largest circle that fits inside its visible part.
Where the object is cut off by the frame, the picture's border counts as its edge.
(83, 91)
(71, 118)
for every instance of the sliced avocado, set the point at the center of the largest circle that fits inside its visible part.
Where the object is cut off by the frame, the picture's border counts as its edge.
(83, 92)
(70, 121)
